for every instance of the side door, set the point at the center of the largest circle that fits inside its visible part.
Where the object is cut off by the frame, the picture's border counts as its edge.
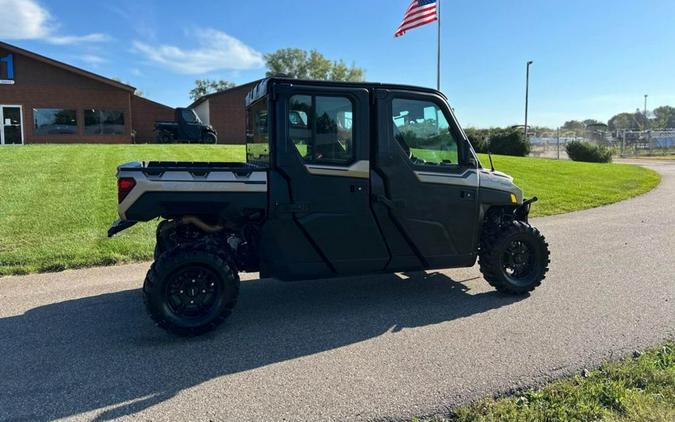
(321, 196)
(430, 190)
(190, 125)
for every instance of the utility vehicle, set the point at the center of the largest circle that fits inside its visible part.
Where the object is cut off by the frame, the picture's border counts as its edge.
(186, 127)
(339, 179)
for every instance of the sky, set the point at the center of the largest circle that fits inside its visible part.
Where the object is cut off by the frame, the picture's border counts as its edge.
(592, 59)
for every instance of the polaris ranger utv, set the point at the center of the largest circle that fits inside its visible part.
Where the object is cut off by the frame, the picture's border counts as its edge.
(339, 179)
(187, 127)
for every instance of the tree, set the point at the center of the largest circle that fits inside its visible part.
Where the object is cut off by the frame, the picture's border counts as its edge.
(664, 118)
(341, 72)
(592, 122)
(300, 64)
(574, 126)
(208, 86)
(623, 121)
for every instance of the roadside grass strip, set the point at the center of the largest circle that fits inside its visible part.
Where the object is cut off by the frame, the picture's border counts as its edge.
(639, 388)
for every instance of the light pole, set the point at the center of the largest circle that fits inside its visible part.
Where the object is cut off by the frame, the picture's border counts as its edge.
(527, 92)
(646, 126)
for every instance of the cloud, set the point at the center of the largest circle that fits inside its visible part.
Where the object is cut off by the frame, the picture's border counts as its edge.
(24, 20)
(77, 39)
(93, 59)
(216, 51)
(28, 20)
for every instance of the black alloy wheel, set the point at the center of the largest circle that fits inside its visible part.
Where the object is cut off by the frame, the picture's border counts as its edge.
(191, 289)
(514, 259)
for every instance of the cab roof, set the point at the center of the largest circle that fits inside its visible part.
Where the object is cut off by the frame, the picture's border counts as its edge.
(263, 88)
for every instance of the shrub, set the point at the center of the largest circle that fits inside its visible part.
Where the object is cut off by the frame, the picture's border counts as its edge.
(477, 139)
(583, 151)
(509, 142)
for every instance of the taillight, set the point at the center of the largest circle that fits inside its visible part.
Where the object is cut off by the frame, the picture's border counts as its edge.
(124, 186)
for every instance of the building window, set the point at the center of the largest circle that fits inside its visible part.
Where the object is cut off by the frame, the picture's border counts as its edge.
(55, 121)
(103, 122)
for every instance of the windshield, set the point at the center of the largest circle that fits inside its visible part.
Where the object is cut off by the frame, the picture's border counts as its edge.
(257, 133)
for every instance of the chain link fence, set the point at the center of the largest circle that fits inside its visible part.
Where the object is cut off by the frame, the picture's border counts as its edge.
(625, 143)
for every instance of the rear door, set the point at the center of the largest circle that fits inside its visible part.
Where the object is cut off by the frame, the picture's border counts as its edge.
(323, 164)
(430, 192)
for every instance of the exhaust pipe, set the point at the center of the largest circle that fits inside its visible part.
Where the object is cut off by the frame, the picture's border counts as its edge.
(200, 224)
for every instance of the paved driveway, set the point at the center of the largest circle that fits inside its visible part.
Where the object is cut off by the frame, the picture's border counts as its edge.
(78, 345)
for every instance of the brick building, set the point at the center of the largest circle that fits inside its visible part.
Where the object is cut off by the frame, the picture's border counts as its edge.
(46, 101)
(226, 112)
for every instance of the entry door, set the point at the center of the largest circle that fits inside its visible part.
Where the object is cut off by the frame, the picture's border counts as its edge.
(11, 125)
(322, 154)
(430, 189)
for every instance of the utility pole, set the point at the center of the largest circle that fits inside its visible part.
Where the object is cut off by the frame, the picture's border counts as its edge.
(527, 92)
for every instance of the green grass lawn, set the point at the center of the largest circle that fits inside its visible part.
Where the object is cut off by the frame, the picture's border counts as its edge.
(564, 186)
(635, 389)
(57, 201)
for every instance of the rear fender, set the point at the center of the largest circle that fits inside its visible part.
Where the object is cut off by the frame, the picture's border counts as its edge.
(119, 226)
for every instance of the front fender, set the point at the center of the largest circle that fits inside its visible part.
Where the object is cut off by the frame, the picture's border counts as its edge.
(522, 212)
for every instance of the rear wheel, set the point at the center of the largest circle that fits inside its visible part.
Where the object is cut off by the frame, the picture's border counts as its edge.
(164, 238)
(164, 137)
(171, 233)
(189, 291)
(514, 259)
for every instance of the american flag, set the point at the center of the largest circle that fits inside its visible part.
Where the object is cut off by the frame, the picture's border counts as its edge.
(420, 12)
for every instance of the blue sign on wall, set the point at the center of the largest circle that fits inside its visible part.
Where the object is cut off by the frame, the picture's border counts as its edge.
(8, 60)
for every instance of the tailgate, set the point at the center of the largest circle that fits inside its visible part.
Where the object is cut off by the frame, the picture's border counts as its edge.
(172, 189)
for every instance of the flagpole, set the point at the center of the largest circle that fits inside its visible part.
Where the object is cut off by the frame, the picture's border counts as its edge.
(438, 45)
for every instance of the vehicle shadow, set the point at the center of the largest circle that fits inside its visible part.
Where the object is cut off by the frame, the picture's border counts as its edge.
(67, 358)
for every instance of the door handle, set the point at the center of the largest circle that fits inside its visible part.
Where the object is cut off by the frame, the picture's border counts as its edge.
(391, 204)
(357, 188)
(467, 194)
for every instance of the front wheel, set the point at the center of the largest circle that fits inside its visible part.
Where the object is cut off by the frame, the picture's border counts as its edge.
(514, 259)
(189, 290)
(210, 138)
